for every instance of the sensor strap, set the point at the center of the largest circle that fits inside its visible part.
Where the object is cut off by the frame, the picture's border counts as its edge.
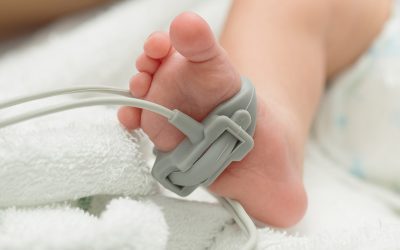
(223, 137)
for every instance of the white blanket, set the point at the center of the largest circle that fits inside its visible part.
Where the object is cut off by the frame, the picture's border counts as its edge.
(82, 153)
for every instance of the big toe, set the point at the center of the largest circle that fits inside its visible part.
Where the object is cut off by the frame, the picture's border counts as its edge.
(192, 37)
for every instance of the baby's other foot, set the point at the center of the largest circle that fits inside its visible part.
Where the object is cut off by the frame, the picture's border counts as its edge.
(188, 70)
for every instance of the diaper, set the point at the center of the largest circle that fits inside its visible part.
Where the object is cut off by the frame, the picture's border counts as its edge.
(358, 124)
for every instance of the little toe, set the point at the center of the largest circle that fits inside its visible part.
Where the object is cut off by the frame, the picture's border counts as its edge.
(129, 117)
(147, 64)
(140, 84)
(157, 45)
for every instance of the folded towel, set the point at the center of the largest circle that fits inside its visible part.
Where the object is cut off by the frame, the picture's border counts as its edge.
(124, 224)
(71, 155)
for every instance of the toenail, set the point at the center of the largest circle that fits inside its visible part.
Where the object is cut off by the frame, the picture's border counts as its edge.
(152, 34)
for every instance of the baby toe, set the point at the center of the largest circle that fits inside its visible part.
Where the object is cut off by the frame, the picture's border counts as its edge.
(157, 45)
(147, 64)
(140, 84)
(129, 117)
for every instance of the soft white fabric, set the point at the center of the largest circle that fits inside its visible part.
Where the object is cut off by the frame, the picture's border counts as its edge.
(65, 227)
(68, 156)
(88, 153)
(359, 121)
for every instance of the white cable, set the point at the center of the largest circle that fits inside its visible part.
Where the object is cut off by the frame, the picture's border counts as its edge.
(161, 110)
(57, 92)
(124, 99)
(243, 220)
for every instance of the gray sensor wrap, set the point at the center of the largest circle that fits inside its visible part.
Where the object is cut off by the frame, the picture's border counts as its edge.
(225, 135)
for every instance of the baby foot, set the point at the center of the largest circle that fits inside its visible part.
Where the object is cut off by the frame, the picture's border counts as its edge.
(188, 70)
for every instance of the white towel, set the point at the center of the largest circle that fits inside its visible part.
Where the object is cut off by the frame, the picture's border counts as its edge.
(124, 224)
(68, 156)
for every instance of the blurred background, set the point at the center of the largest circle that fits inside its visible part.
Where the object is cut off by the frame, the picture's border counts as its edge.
(19, 16)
